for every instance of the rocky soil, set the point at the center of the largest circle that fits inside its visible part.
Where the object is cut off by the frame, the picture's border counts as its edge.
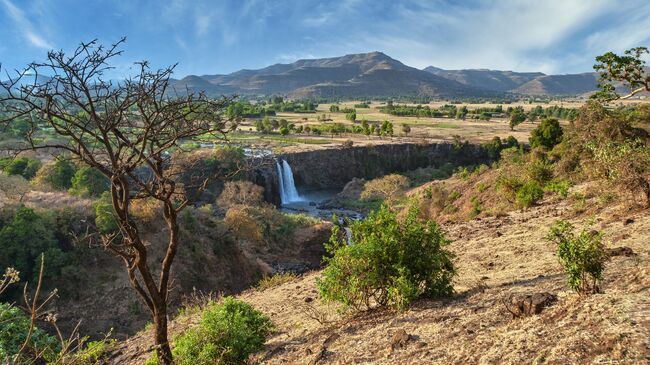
(499, 260)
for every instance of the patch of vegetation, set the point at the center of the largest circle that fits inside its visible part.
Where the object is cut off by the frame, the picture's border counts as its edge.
(389, 187)
(547, 134)
(14, 330)
(272, 281)
(89, 182)
(529, 194)
(581, 254)
(228, 333)
(390, 263)
(23, 166)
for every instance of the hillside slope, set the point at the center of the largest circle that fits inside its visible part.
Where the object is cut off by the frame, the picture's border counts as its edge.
(495, 258)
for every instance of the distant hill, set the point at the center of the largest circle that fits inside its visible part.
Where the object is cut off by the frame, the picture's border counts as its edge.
(529, 83)
(560, 84)
(375, 74)
(355, 75)
(487, 79)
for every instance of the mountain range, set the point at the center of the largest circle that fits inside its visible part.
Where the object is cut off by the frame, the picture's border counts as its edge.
(375, 74)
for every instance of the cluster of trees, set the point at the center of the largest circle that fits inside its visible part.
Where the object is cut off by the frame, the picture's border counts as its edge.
(246, 109)
(518, 115)
(383, 129)
(62, 174)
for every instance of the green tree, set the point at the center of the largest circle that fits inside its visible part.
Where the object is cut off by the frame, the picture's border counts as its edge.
(365, 126)
(386, 128)
(60, 177)
(351, 116)
(517, 116)
(23, 166)
(406, 129)
(547, 134)
(24, 239)
(89, 182)
(628, 69)
(461, 112)
(334, 108)
(284, 131)
(390, 263)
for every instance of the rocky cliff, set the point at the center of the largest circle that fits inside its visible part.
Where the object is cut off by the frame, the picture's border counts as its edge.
(333, 168)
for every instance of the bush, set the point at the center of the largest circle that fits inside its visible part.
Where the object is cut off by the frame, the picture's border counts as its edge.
(14, 327)
(57, 175)
(539, 170)
(240, 193)
(89, 182)
(87, 353)
(559, 187)
(228, 333)
(389, 263)
(388, 187)
(547, 134)
(24, 237)
(23, 166)
(105, 219)
(529, 194)
(582, 256)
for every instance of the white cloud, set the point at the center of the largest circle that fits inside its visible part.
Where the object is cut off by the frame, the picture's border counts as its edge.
(25, 26)
(552, 36)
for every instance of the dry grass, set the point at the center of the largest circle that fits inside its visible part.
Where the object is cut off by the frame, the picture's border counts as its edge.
(495, 257)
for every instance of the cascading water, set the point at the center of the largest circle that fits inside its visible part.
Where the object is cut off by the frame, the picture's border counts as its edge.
(288, 191)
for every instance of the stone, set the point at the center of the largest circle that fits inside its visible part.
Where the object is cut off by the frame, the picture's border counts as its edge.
(400, 340)
(620, 251)
(628, 221)
(526, 305)
(309, 299)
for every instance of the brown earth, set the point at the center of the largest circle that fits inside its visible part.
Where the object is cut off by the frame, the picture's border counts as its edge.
(496, 257)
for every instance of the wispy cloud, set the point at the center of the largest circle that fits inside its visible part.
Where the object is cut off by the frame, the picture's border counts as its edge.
(25, 26)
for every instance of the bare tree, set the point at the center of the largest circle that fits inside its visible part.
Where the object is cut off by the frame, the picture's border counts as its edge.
(127, 130)
(628, 69)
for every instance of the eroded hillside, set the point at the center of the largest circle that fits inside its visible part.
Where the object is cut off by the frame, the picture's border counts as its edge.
(496, 257)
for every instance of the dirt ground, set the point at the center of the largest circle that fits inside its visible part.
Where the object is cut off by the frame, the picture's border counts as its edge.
(495, 258)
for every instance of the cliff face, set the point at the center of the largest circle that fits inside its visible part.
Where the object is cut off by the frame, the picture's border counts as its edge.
(333, 168)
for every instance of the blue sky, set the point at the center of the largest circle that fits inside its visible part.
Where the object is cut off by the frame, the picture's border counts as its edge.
(211, 37)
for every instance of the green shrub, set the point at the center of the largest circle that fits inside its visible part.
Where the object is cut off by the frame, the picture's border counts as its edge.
(105, 220)
(540, 171)
(389, 263)
(547, 134)
(582, 255)
(228, 333)
(57, 175)
(559, 187)
(476, 206)
(529, 194)
(14, 328)
(23, 166)
(24, 237)
(87, 353)
(89, 182)
(453, 196)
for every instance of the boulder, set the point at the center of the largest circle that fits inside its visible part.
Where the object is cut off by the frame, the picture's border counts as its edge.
(526, 305)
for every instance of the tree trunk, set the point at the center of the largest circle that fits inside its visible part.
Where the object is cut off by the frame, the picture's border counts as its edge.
(163, 350)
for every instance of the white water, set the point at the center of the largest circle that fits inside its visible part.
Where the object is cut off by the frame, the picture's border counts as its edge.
(288, 191)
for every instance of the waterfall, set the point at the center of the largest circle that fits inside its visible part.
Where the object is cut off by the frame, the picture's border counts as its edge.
(288, 191)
